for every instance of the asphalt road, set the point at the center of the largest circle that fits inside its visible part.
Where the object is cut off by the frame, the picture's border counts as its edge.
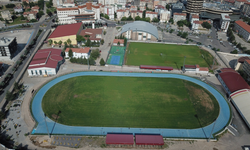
(18, 71)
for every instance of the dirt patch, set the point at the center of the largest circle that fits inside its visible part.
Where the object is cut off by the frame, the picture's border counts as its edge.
(94, 142)
(41, 141)
(135, 52)
(75, 96)
(54, 116)
(169, 97)
(204, 98)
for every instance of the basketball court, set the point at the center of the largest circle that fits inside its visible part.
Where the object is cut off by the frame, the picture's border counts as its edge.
(116, 55)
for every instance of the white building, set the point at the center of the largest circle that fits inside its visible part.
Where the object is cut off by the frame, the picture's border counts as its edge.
(110, 11)
(6, 15)
(165, 16)
(194, 17)
(45, 62)
(242, 29)
(224, 22)
(68, 13)
(18, 9)
(179, 16)
(136, 13)
(151, 15)
(159, 8)
(122, 13)
(197, 24)
(78, 52)
(196, 69)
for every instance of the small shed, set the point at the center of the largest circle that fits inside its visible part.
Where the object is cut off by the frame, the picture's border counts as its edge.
(149, 140)
(119, 139)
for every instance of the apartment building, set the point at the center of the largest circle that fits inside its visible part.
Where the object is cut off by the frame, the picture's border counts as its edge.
(151, 15)
(193, 17)
(165, 16)
(179, 16)
(110, 11)
(8, 47)
(242, 29)
(246, 9)
(136, 13)
(239, 3)
(224, 22)
(122, 13)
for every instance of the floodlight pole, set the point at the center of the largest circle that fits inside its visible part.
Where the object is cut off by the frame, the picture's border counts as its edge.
(212, 130)
(183, 68)
(46, 124)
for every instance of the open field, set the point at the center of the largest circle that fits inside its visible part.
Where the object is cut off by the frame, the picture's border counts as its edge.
(130, 102)
(166, 55)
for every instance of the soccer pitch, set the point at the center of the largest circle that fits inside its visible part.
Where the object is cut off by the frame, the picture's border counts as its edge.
(141, 102)
(166, 55)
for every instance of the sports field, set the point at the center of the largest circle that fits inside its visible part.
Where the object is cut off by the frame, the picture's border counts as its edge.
(116, 55)
(104, 101)
(166, 55)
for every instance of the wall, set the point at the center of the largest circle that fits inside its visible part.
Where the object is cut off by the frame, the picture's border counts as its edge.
(43, 70)
(77, 55)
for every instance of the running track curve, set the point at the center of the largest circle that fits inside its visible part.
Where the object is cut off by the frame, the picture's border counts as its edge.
(56, 128)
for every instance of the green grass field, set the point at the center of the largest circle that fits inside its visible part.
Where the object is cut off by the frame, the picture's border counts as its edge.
(130, 102)
(172, 55)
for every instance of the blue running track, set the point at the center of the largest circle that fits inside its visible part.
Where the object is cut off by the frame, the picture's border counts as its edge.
(115, 60)
(56, 128)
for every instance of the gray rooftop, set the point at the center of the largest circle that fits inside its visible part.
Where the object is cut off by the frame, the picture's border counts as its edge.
(141, 26)
(6, 40)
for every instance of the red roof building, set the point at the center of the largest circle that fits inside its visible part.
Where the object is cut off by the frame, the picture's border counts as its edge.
(243, 29)
(45, 61)
(232, 81)
(149, 140)
(95, 34)
(125, 139)
(121, 41)
(78, 52)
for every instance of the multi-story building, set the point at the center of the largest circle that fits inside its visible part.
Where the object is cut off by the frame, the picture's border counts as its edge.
(159, 8)
(151, 15)
(224, 22)
(6, 15)
(165, 16)
(239, 3)
(177, 8)
(8, 47)
(246, 9)
(69, 13)
(18, 9)
(148, 3)
(242, 29)
(136, 13)
(246, 67)
(194, 6)
(193, 17)
(109, 10)
(179, 16)
(197, 24)
(30, 15)
(35, 8)
(122, 13)
(94, 34)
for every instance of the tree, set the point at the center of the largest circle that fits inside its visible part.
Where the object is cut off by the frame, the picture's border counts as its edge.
(60, 43)
(104, 32)
(49, 12)
(124, 19)
(144, 14)
(80, 38)
(102, 41)
(69, 41)
(130, 18)
(184, 35)
(55, 42)
(155, 20)
(22, 17)
(118, 43)
(2, 115)
(95, 53)
(25, 3)
(50, 41)
(102, 62)
(39, 14)
(125, 41)
(206, 25)
(91, 61)
(167, 6)
(115, 15)
(234, 52)
(70, 53)
(180, 24)
(88, 43)
(16, 86)
(171, 20)
(137, 18)
(106, 16)
(9, 96)
(10, 5)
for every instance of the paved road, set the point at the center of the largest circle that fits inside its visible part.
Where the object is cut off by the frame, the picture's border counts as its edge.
(15, 75)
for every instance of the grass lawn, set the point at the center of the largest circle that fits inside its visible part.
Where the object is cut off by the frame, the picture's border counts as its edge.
(18, 21)
(172, 55)
(130, 102)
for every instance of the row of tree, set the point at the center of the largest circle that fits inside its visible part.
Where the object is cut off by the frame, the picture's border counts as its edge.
(181, 23)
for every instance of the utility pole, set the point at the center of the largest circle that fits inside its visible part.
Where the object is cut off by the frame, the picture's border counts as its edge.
(212, 130)
(46, 124)
(88, 62)
(183, 68)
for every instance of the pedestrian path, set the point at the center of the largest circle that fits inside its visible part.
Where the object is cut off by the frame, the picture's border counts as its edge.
(56, 128)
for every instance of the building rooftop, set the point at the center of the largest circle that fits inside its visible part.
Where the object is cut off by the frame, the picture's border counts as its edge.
(242, 59)
(151, 12)
(225, 17)
(149, 140)
(180, 14)
(244, 25)
(48, 58)
(66, 30)
(141, 26)
(121, 41)
(6, 40)
(195, 16)
(124, 139)
(92, 33)
(79, 50)
(233, 81)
